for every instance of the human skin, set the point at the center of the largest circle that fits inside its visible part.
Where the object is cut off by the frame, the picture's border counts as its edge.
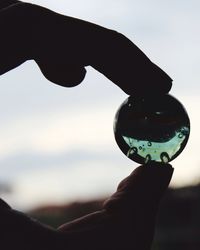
(62, 47)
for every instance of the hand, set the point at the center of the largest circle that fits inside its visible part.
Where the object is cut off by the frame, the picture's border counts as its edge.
(125, 222)
(62, 46)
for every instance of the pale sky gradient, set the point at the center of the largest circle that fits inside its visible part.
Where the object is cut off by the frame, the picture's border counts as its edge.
(57, 144)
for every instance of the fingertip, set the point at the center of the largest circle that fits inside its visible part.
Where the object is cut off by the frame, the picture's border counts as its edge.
(154, 174)
(148, 80)
(158, 165)
(149, 183)
(161, 82)
(149, 180)
(129, 68)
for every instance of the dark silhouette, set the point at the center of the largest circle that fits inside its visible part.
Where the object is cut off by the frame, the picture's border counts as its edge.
(126, 220)
(62, 47)
(178, 219)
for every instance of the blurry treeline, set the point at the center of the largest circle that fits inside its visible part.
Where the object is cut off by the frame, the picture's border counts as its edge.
(178, 222)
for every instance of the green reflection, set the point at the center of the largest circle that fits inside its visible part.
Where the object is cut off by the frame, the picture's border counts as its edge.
(151, 129)
(156, 151)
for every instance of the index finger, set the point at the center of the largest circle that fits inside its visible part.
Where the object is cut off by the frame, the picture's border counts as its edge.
(115, 56)
(126, 65)
(58, 41)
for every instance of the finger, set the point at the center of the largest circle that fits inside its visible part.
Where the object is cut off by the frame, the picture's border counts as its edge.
(142, 190)
(127, 66)
(56, 38)
(19, 231)
(128, 217)
(83, 223)
(109, 52)
(44, 34)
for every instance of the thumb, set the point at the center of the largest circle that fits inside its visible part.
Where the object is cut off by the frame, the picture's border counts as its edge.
(142, 190)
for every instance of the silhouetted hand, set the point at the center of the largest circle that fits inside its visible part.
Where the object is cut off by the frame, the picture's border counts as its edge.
(125, 222)
(62, 47)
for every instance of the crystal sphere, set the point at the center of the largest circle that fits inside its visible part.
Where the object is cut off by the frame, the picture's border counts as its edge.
(153, 128)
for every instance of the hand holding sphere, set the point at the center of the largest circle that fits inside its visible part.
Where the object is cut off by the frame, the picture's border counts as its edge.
(62, 46)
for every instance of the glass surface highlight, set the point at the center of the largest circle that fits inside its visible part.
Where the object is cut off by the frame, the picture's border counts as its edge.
(152, 128)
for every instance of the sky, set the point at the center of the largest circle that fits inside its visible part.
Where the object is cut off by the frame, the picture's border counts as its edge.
(57, 144)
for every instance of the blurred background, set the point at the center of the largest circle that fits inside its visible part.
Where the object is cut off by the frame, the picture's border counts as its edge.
(58, 155)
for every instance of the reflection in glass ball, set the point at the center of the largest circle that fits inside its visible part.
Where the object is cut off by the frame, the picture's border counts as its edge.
(152, 128)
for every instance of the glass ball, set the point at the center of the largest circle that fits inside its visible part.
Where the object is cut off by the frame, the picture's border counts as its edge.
(153, 128)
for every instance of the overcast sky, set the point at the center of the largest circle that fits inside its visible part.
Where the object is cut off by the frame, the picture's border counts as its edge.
(57, 144)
